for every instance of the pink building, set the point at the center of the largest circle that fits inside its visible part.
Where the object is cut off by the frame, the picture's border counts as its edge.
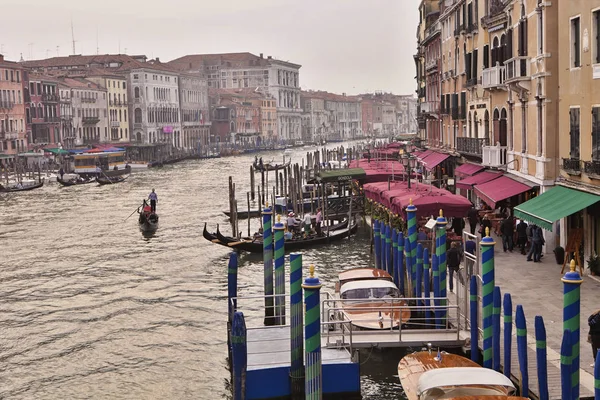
(43, 111)
(13, 128)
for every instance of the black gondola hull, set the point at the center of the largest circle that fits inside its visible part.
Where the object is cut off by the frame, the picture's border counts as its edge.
(24, 189)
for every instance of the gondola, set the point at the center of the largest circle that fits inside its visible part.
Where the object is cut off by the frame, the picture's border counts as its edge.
(252, 245)
(73, 182)
(109, 180)
(270, 167)
(4, 189)
(148, 222)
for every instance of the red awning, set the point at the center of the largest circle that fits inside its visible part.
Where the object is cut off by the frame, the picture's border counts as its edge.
(425, 154)
(499, 189)
(467, 170)
(434, 159)
(477, 179)
(430, 203)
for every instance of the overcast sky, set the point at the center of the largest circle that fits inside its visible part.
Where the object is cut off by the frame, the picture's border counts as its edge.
(347, 46)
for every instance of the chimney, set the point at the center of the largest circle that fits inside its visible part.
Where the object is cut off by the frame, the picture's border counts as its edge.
(157, 59)
(2, 57)
(261, 55)
(269, 57)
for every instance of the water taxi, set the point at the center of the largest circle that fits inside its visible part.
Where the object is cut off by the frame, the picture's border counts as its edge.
(88, 162)
(426, 375)
(371, 300)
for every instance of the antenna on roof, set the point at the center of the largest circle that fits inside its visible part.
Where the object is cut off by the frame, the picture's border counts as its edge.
(97, 46)
(57, 47)
(73, 36)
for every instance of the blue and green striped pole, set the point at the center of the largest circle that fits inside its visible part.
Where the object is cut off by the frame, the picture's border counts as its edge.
(565, 366)
(384, 248)
(541, 354)
(411, 223)
(232, 278)
(239, 355)
(522, 349)
(496, 328)
(409, 269)
(474, 319)
(440, 250)
(507, 305)
(571, 315)
(487, 269)
(312, 331)
(279, 273)
(399, 279)
(436, 291)
(377, 242)
(394, 271)
(267, 215)
(419, 267)
(426, 284)
(597, 376)
(296, 325)
(388, 249)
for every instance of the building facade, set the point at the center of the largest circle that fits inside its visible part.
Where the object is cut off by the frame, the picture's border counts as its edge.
(13, 124)
(117, 102)
(42, 111)
(68, 132)
(284, 86)
(318, 122)
(195, 114)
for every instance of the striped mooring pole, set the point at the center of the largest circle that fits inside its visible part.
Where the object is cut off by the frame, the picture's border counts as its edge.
(427, 288)
(597, 376)
(571, 315)
(312, 332)
(296, 326)
(279, 273)
(410, 277)
(497, 300)
(487, 292)
(239, 355)
(232, 278)
(394, 255)
(267, 215)
(436, 291)
(473, 317)
(377, 242)
(507, 305)
(522, 349)
(541, 356)
(419, 267)
(399, 279)
(411, 223)
(388, 249)
(440, 251)
(565, 366)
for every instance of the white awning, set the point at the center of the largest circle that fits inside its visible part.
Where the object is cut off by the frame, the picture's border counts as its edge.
(461, 376)
(367, 284)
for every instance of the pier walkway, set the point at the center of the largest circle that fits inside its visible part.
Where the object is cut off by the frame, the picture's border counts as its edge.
(538, 288)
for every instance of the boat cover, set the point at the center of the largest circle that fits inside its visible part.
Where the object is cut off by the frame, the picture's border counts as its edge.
(367, 284)
(462, 376)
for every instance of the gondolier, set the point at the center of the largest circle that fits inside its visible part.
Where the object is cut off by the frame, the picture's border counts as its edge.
(153, 197)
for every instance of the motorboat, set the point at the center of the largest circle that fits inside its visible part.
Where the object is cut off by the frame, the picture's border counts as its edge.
(427, 375)
(371, 300)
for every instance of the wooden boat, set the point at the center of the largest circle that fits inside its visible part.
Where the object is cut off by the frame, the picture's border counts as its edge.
(109, 180)
(255, 245)
(269, 166)
(427, 375)
(373, 301)
(148, 221)
(73, 182)
(4, 189)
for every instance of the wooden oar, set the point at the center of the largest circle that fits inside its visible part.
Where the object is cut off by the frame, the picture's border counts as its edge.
(236, 243)
(137, 209)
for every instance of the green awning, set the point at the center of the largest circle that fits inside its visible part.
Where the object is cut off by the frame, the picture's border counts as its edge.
(556, 203)
(56, 151)
(342, 175)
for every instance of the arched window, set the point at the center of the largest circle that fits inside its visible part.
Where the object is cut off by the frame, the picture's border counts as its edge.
(138, 116)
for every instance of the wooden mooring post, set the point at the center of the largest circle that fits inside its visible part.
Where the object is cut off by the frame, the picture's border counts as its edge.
(252, 183)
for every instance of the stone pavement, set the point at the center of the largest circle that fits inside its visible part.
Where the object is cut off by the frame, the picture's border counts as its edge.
(538, 288)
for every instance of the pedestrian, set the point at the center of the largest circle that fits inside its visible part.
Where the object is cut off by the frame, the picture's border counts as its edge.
(485, 224)
(594, 334)
(522, 235)
(538, 242)
(153, 197)
(508, 231)
(61, 171)
(307, 223)
(458, 224)
(473, 218)
(318, 220)
(454, 258)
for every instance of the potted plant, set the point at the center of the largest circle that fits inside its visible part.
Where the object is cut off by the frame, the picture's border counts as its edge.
(594, 264)
(559, 253)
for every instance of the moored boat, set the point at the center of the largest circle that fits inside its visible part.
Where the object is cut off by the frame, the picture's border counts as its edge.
(269, 166)
(425, 375)
(10, 189)
(371, 299)
(75, 181)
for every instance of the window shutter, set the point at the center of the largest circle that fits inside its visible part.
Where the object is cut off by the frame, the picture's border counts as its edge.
(486, 56)
(474, 72)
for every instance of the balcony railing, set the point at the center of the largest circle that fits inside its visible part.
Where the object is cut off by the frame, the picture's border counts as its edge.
(471, 82)
(493, 77)
(88, 99)
(591, 168)
(90, 120)
(50, 98)
(517, 69)
(137, 126)
(494, 156)
(571, 166)
(6, 104)
(472, 27)
(430, 107)
(51, 119)
(115, 124)
(431, 65)
(91, 140)
(459, 29)
(11, 135)
(470, 146)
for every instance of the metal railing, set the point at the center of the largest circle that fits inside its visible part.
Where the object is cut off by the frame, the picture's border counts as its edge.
(517, 68)
(53, 98)
(592, 168)
(471, 146)
(90, 120)
(493, 77)
(494, 156)
(6, 104)
(572, 165)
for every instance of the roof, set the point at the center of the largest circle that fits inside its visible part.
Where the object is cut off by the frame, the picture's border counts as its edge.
(477, 179)
(363, 273)
(343, 174)
(367, 284)
(467, 169)
(434, 159)
(197, 61)
(318, 94)
(122, 63)
(80, 83)
(462, 376)
(553, 205)
(499, 189)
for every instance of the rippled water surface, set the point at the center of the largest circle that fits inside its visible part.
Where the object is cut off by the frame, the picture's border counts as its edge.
(90, 308)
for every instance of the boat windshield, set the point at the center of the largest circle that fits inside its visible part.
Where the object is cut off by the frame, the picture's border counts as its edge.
(371, 293)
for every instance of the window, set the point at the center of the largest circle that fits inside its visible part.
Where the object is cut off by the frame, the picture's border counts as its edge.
(575, 43)
(574, 133)
(138, 116)
(124, 85)
(595, 133)
(136, 92)
(596, 47)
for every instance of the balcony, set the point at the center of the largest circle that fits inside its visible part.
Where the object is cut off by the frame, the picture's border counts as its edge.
(91, 140)
(494, 77)
(90, 120)
(137, 126)
(591, 168)
(458, 113)
(430, 107)
(471, 82)
(88, 99)
(472, 27)
(115, 124)
(494, 156)
(459, 29)
(6, 105)
(51, 120)
(11, 135)
(50, 98)
(572, 166)
(471, 146)
(517, 69)
(431, 65)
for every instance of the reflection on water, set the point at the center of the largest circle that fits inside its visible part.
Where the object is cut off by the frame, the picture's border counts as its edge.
(94, 308)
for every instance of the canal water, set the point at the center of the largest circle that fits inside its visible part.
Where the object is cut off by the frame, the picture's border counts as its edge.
(90, 308)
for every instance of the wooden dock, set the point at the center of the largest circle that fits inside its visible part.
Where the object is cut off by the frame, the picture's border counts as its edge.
(407, 338)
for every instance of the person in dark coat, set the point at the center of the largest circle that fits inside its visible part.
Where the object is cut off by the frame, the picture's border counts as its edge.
(473, 218)
(594, 335)
(522, 236)
(485, 223)
(458, 224)
(454, 258)
(508, 231)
